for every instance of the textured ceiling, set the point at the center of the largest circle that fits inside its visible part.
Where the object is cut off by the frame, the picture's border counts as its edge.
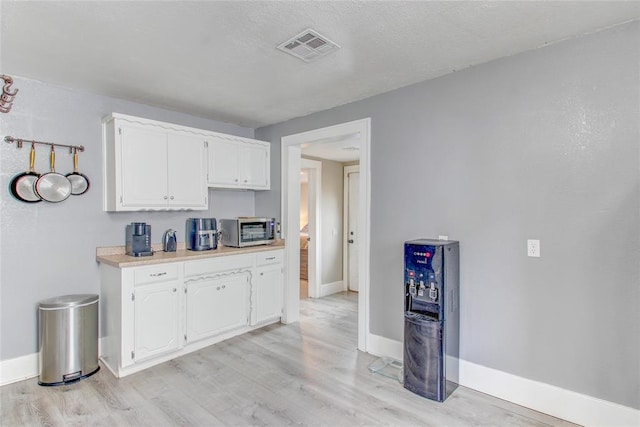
(218, 59)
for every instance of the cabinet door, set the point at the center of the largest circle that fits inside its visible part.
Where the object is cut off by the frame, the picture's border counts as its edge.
(216, 305)
(269, 284)
(144, 167)
(254, 161)
(187, 186)
(223, 168)
(156, 319)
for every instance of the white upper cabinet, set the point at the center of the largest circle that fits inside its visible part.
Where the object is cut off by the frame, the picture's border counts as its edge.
(152, 165)
(143, 167)
(223, 163)
(254, 166)
(186, 183)
(240, 163)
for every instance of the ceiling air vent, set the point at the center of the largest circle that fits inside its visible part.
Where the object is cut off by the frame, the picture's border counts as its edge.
(308, 46)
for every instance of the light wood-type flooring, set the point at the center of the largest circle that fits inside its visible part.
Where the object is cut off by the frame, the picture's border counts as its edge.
(308, 373)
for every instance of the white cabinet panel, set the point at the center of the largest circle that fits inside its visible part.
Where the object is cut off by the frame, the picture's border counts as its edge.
(186, 186)
(269, 281)
(144, 166)
(223, 162)
(216, 304)
(254, 166)
(156, 320)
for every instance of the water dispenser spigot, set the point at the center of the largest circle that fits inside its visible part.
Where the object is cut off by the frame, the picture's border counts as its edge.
(412, 287)
(421, 289)
(433, 292)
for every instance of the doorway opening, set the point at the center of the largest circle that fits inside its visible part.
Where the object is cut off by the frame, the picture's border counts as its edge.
(291, 161)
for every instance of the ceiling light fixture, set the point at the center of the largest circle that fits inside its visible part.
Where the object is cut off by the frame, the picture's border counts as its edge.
(309, 45)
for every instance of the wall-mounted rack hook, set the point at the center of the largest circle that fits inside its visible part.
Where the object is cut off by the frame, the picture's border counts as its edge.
(6, 98)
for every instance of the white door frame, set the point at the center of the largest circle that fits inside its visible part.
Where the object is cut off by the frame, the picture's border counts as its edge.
(290, 191)
(345, 221)
(315, 225)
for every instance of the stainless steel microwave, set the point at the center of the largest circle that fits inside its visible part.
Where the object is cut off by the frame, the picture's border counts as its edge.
(247, 231)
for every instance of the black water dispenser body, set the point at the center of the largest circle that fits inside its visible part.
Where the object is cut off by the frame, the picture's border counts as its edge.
(431, 317)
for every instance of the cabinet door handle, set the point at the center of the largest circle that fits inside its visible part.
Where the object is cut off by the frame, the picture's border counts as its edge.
(224, 286)
(262, 274)
(236, 180)
(165, 197)
(245, 180)
(270, 258)
(171, 197)
(174, 289)
(218, 288)
(158, 274)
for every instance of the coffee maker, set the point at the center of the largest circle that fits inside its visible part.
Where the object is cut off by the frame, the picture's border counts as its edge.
(138, 239)
(201, 234)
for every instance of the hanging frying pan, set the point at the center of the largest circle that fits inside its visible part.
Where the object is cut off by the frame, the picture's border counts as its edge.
(79, 182)
(53, 186)
(21, 186)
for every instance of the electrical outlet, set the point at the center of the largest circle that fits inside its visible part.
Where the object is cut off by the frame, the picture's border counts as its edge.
(533, 248)
(443, 237)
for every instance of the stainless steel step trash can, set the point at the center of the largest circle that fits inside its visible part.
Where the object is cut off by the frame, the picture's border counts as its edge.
(67, 339)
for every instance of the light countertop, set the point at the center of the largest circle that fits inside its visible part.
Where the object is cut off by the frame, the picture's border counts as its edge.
(115, 255)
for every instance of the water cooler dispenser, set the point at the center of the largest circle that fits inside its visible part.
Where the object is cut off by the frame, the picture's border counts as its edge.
(431, 317)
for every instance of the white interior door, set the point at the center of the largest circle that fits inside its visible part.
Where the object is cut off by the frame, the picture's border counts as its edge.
(352, 229)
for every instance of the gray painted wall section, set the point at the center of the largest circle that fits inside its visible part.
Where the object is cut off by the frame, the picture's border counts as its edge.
(48, 249)
(542, 145)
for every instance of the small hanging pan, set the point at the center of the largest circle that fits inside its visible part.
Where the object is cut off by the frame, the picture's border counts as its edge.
(53, 186)
(21, 185)
(79, 182)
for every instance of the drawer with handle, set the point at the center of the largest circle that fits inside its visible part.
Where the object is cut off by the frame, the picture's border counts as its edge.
(154, 274)
(271, 257)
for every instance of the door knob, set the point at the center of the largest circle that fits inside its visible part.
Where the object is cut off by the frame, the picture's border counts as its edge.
(350, 240)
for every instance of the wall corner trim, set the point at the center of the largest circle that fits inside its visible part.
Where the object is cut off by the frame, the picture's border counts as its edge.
(558, 402)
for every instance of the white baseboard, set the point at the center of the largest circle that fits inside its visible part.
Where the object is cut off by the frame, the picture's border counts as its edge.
(566, 404)
(18, 369)
(558, 402)
(331, 288)
(384, 347)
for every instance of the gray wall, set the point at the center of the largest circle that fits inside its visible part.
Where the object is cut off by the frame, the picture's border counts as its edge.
(540, 145)
(47, 249)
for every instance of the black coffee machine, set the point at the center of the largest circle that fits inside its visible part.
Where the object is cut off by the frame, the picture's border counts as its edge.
(201, 234)
(138, 239)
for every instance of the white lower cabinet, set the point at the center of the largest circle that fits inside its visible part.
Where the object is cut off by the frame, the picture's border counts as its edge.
(156, 320)
(216, 305)
(150, 314)
(268, 287)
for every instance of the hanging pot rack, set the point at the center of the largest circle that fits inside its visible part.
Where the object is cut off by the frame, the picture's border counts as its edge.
(20, 141)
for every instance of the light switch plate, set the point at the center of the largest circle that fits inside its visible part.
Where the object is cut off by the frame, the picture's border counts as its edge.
(533, 248)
